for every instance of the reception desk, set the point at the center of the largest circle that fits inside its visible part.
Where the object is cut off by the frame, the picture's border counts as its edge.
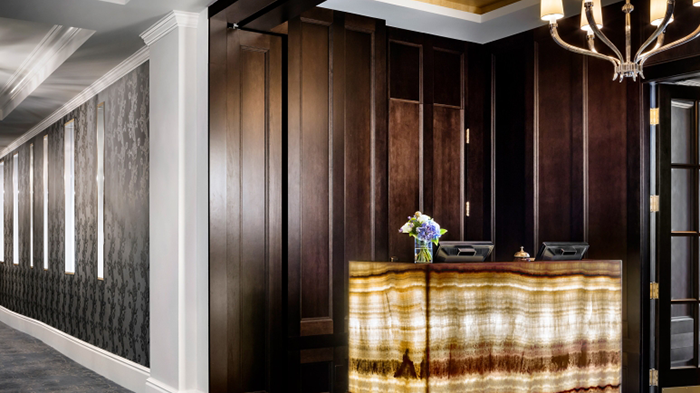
(485, 327)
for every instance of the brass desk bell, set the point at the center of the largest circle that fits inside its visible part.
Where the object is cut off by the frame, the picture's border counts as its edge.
(522, 256)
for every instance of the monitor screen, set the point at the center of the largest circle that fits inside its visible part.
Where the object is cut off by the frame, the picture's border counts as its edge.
(562, 251)
(466, 251)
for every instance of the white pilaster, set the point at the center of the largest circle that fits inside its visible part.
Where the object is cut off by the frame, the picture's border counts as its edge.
(178, 260)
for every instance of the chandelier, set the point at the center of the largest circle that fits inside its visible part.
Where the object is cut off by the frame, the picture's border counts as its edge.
(592, 23)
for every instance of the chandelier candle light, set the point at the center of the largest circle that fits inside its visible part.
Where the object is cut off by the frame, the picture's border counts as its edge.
(592, 22)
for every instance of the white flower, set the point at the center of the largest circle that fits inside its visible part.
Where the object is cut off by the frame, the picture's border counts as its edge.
(423, 218)
(406, 228)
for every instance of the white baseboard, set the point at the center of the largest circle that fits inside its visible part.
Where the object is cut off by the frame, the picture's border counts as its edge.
(155, 386)
(124, 372)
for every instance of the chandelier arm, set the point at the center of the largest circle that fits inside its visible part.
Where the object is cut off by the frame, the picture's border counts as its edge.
(659, 43)
(591, 43)
(594, 26)
(659, 31)
(671, 45)
(555, 35)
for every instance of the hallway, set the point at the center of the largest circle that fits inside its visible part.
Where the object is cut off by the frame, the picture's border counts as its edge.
(29, 365)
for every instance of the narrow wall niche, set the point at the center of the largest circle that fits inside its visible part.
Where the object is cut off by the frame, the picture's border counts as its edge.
(46, 201)
(2, 216)
(15, 209)
(69, 176)
(31, 205)
(100, 190)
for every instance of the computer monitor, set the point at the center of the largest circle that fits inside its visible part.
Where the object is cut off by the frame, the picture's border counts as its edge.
(562, 251)
(463, 251)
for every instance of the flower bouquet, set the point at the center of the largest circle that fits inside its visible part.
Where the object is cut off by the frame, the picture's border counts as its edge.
(426, 232)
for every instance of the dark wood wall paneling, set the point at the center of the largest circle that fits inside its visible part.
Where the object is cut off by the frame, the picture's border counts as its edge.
(431, 168)
(337, 183)
(246, 266)
(569, 159)
(376, 131)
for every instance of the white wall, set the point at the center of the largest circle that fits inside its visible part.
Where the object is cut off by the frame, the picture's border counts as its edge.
(202, 201)
(178, 203)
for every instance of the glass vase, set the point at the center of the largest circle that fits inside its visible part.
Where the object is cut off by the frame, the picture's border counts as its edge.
(423, 251)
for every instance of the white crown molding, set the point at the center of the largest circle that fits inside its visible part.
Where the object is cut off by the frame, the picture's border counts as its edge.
(168, 23)
(116, 73)
(124, 372)
(120, 2)
(54, 49)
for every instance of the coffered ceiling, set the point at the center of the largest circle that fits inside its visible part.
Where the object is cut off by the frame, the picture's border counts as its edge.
(51, 50)
(479, 21)
(473, 6)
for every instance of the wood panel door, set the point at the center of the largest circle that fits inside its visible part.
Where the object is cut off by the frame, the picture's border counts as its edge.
(337, 184)
(677, 237)
(427, 145)
(246, 275)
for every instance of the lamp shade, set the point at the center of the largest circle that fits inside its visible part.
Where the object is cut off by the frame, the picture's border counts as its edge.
(597, 15)
(696, 3)
(551, 10)
(658, 11)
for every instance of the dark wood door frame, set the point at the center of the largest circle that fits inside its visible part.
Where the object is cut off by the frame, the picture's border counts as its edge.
(261, 15)
(247, 265)
(655, 74)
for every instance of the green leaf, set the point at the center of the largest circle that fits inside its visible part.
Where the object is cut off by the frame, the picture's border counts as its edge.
(443, 231)
(436, 241)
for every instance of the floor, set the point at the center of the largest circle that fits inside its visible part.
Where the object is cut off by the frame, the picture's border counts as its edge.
(29, 365)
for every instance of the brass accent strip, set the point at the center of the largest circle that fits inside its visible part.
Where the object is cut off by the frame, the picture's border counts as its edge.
(467, 137)
(653, 290)
(654, 378)
(654, 203)
(685, 389)
(654, 116)
(467, 209)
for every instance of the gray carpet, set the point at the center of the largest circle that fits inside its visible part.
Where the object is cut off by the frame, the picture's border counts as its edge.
(29, 365)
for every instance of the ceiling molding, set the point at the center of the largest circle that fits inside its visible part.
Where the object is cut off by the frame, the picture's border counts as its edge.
(116, 73)
(120, 2)
(54, 49)
(167, 24)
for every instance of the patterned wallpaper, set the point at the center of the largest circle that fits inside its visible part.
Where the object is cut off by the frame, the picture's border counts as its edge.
(110, 314)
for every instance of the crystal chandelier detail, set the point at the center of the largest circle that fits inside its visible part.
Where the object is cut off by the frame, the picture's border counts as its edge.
(592, 22)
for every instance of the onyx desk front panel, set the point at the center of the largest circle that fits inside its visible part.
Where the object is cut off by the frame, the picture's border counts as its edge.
(485, 327)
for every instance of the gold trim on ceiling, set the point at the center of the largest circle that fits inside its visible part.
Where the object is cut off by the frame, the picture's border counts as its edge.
(474, 6)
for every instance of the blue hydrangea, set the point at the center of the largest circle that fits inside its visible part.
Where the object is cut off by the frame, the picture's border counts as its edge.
(429, 231)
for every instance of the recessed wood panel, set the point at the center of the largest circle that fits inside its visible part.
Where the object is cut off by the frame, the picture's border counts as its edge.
(315, 160)
(559, 153)
(359, 140)
(253, 262)
(404, 71)
(513, 151)
(245, 202)
(448, 194)
(478, 156)
(447, 80)
(607, 165)
(405, 133)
